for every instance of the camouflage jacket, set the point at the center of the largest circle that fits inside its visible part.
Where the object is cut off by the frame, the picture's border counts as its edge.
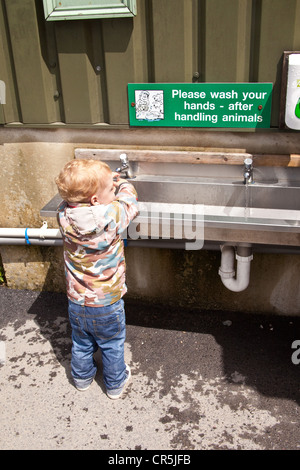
(93, 248)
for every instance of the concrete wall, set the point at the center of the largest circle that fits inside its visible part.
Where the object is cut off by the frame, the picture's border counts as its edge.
(31, 158)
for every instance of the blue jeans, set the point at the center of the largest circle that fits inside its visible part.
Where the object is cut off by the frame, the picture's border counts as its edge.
(94, 327)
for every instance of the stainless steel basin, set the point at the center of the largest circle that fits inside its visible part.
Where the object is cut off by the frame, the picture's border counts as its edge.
(229, 210)
(232, 212)
(215, 192)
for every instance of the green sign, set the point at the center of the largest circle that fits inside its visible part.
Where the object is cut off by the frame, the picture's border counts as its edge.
(200, 104)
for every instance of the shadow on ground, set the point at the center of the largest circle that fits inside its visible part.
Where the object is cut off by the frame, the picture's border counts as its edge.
(257, 348)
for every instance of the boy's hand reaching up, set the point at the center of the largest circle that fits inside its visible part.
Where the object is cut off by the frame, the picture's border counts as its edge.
(118, 181)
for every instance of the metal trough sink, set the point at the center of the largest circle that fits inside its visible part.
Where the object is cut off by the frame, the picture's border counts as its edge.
(230, 211)
(215, 192)
(185, 204)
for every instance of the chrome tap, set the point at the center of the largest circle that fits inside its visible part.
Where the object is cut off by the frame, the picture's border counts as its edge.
(125, 167)
(248, 170)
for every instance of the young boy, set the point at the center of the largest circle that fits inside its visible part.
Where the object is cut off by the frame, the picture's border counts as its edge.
(91, 219)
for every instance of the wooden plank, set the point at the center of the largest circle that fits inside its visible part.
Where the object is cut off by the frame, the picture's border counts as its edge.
(294, 160)
(190, 157)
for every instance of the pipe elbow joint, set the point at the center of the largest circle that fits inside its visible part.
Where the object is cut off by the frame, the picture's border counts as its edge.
(240, 281)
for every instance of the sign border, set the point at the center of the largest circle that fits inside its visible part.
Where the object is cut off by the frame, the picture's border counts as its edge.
(262, 114)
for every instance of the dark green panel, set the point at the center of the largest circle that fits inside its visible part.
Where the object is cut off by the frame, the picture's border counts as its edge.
(119, 66)
(33, 77)
(169, 36)
(296, 43)
(79, 48)
(227, 40)
(10, 112)
(2, 118)
(77, 72)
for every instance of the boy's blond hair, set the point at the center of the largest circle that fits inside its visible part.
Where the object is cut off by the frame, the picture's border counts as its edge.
(79, 180)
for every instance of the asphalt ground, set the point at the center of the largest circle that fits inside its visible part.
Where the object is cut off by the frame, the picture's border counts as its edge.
(200, 381)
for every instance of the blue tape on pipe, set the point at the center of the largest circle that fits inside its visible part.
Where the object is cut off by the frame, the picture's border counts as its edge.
(26, 237)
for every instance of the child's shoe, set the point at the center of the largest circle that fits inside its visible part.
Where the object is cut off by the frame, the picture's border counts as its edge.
(83, 384)
(117, 392)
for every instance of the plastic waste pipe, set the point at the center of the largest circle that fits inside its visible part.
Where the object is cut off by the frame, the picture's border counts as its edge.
(52, 237)
(31, 241)
(30, 236)
(42, 232)
(240, 281)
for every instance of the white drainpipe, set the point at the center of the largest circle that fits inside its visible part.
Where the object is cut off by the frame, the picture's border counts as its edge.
(30, 236)
(52, 237)
(227, 272)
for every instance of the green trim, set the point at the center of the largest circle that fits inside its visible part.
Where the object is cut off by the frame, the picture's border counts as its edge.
(76, 9)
